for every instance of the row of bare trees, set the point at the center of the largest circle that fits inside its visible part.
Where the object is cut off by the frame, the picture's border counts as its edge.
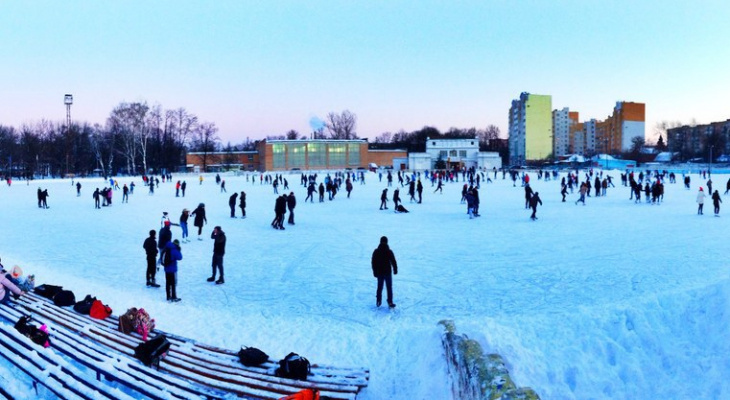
(136, 138)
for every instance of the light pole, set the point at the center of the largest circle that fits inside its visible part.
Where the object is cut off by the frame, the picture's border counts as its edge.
(710, 169)
(68, 100)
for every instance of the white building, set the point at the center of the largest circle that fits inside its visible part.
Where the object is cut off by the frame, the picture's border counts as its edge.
(462, 153)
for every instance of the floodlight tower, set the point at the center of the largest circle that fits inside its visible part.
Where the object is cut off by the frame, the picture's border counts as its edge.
(68, 100)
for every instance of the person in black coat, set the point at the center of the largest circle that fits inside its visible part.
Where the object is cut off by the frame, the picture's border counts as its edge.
(396, 197)
(219, 250)
(165, 237)
(96, 197)
(716, 200)
(232, 204)
(242, 204)
(291, 202)
(382, 261)
(384, 199)
(321, 192)
(534, 201)
(200, 219)
(279, 212)
(528, 195)
(150, 248)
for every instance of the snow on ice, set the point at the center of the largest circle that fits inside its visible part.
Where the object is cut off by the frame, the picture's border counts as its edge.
(610, 300)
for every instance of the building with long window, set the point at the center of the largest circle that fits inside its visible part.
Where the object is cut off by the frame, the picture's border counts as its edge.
(530, 128)
(455, 153)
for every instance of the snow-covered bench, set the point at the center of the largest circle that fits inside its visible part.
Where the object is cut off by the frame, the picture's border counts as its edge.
(211, 368)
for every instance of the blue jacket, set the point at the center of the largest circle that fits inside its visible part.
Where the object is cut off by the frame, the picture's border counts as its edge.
(176, 256)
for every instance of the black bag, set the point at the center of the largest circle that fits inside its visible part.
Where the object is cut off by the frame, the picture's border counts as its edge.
(293, 366)
(47, 291)
(152, 351)
(84, 306)
(166, 257)
(64, 298)
(251, 356)
(36, 335)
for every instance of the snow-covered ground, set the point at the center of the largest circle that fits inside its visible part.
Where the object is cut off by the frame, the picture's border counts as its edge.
(608, 300)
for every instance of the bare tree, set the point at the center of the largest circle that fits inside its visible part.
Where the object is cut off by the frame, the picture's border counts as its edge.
(128, 120)
(206, 140)
(341, 126)
(152, 124)
(384, 137)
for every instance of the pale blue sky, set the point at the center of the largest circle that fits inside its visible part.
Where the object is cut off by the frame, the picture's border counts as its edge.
(260, 68)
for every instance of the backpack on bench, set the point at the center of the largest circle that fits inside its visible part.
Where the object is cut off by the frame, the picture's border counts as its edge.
(293, 366)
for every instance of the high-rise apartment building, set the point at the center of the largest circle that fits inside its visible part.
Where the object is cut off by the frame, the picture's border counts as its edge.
(617, 132)
(530, 128)
(563, 124)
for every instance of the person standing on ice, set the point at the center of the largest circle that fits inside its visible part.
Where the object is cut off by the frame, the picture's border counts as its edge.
(582, 191)
(396, 198)
(96, 196)
(528, 195)
(165, 236)
(700, 201)
(382, 261)
(184, 224)
(200, 219)
(291, 203)
(534, 201)
(183, 186)
(419, 190)
(242, 203)
(232, 203)
(171, 270)
(384, 199)
(716, 200)
(219, 250)
(150, 248)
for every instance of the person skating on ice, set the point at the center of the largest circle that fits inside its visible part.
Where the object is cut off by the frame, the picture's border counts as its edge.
(383, 262)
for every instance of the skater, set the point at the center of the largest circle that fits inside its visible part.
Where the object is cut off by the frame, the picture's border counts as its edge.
(125, 194)
(716, 200)
(164, 219)
(291, 202)
(534, 201)
(165, 237)
(175, 255)
(564, 192)
(700, 201)
(382, 261)
(150, 248)
(528, 195)
(44, 198)
(582, 198)
(96, 197)
(419, 189)
(223, 186)
(321, 192)
(242, 204)
(177, 189)
(219, 250)
(279, 211)
(412, 191)
(384, 199)
(182, 187)
(396, 197)
(310, 193)
(200, 219)
(440, 187)
(232, 203)
(78, 189)
(184, 224)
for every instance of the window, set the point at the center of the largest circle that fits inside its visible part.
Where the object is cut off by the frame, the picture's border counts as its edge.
(353, 154)
(434, 143)
(250, 158)
(452, 153)
(462, 153)
(296, 155)
(279, 158)
(337, 154)
(317, 154)
(442, 153)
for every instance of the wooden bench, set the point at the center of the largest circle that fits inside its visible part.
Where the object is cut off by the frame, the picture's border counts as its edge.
(209, 367)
